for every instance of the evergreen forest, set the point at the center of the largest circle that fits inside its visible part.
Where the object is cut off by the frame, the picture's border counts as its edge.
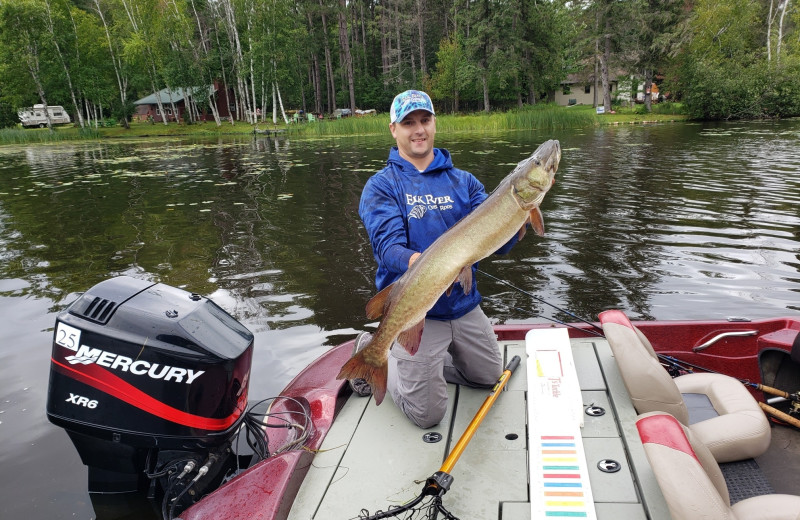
(721, 59)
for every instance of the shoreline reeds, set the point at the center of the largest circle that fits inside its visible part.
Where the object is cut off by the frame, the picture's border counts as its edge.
(538, 117)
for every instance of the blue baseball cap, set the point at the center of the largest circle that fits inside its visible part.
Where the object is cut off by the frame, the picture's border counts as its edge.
(408, 101)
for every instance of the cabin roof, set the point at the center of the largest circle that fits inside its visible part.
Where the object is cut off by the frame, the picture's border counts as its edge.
(175, 96)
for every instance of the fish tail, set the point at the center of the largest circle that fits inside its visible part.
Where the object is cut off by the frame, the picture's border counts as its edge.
(357, 368)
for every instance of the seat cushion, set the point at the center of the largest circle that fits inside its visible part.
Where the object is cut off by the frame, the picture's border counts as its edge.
(768, 507)
(666, 428)
(691, 481)
(741, 430)
(688, 489)
(650, 386)
(700, 407)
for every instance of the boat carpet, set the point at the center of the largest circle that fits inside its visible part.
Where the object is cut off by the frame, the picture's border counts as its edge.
(745, 479)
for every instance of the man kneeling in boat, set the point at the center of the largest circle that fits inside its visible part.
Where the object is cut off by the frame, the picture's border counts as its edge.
(405, 207)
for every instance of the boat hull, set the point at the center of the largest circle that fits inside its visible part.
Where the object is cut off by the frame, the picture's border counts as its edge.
(758, 351)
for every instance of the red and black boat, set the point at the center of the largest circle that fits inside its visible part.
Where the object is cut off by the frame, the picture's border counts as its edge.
(151, 384)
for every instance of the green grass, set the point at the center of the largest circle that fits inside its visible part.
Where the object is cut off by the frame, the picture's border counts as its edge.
(538, 117)
(21, 136)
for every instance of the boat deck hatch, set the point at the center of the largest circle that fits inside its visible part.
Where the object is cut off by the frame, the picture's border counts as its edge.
(374, 458)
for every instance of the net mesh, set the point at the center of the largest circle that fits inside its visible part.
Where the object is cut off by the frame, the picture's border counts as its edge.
(430, 508)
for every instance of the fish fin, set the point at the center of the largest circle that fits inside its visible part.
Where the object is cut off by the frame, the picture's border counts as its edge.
(465, 278)
(537, 221)
(357, 368)
(411, 337)
(378, 302)
(522, 230)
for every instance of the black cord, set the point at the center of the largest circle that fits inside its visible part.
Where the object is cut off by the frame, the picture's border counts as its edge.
(165, 500)
(178, 499)
(166, 468)
(255, 425)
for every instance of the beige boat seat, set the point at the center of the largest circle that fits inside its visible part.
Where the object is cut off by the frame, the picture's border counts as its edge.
(719, 409)
(691, 481)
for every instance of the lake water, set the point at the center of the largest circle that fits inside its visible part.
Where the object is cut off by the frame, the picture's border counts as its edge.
(672, 221)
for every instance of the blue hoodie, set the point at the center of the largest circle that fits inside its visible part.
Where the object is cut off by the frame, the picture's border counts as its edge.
(405, 211)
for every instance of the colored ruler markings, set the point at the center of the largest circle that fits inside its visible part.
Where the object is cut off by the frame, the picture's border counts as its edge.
(560, 485)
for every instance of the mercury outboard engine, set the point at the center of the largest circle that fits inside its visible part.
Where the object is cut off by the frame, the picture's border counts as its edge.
(150, 382)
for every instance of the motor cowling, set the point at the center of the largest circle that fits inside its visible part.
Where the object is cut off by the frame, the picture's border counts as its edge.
(143, 374)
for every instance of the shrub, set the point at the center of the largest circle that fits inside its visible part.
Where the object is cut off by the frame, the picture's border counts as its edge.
(741, 92)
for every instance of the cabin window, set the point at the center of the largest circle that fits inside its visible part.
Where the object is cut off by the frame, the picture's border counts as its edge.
(587, 89)
(57, 114)
(565, 90)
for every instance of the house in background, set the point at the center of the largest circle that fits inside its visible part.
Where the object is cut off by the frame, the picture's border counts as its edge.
(147, 107)
(655, 95)
(578, 89)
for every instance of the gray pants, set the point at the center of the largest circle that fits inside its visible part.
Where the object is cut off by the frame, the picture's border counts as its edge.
(462, 351)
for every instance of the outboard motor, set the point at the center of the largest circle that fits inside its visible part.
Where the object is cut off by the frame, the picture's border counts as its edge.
(150, 382)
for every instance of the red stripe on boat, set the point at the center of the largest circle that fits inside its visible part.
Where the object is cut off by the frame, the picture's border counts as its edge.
(106, 382)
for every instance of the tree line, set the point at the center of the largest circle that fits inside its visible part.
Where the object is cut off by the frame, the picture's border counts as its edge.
(721, 58)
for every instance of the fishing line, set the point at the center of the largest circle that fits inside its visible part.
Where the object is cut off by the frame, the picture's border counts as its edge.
(554, 320)
(780, 416)
(539, 299)
(675, 362)
(675, 366)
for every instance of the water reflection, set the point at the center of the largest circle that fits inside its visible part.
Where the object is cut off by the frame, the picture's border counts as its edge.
(638, 213)
(669, 221)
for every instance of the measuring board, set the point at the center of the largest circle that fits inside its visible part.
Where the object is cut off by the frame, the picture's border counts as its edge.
(559, 477)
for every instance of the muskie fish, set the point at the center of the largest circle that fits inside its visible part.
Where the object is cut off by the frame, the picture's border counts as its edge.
(404, 304)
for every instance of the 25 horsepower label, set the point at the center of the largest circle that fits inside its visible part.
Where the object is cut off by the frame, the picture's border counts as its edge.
(70, 337)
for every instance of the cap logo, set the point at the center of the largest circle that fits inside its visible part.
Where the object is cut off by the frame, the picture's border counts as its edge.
(409, 101)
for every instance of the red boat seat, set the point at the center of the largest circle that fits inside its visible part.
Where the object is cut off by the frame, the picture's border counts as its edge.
(727, 419)
(691, 480)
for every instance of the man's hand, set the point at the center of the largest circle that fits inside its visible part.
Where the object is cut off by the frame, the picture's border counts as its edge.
(413, 258)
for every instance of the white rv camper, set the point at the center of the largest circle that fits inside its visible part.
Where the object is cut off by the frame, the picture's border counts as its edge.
(35, 116)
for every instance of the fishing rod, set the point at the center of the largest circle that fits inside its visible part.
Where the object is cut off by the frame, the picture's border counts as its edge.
(439, 483)
(539, 299)
(676, 365)
(783, 416)
(554, 320)
(568, 325)
(687, 367)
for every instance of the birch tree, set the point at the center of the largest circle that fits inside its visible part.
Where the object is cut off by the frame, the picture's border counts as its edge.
(195, 50)
(94, 73)
(24, 43)
(347, 56)
(116, 59)
(64, 55)
(776, 20)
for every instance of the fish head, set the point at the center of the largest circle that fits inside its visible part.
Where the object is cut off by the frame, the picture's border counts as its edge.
(534, 176)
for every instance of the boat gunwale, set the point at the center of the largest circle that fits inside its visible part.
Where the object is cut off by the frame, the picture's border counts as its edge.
(282, 476)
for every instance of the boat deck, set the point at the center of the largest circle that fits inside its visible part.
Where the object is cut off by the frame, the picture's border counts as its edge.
(780, 465)
(374, 458)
